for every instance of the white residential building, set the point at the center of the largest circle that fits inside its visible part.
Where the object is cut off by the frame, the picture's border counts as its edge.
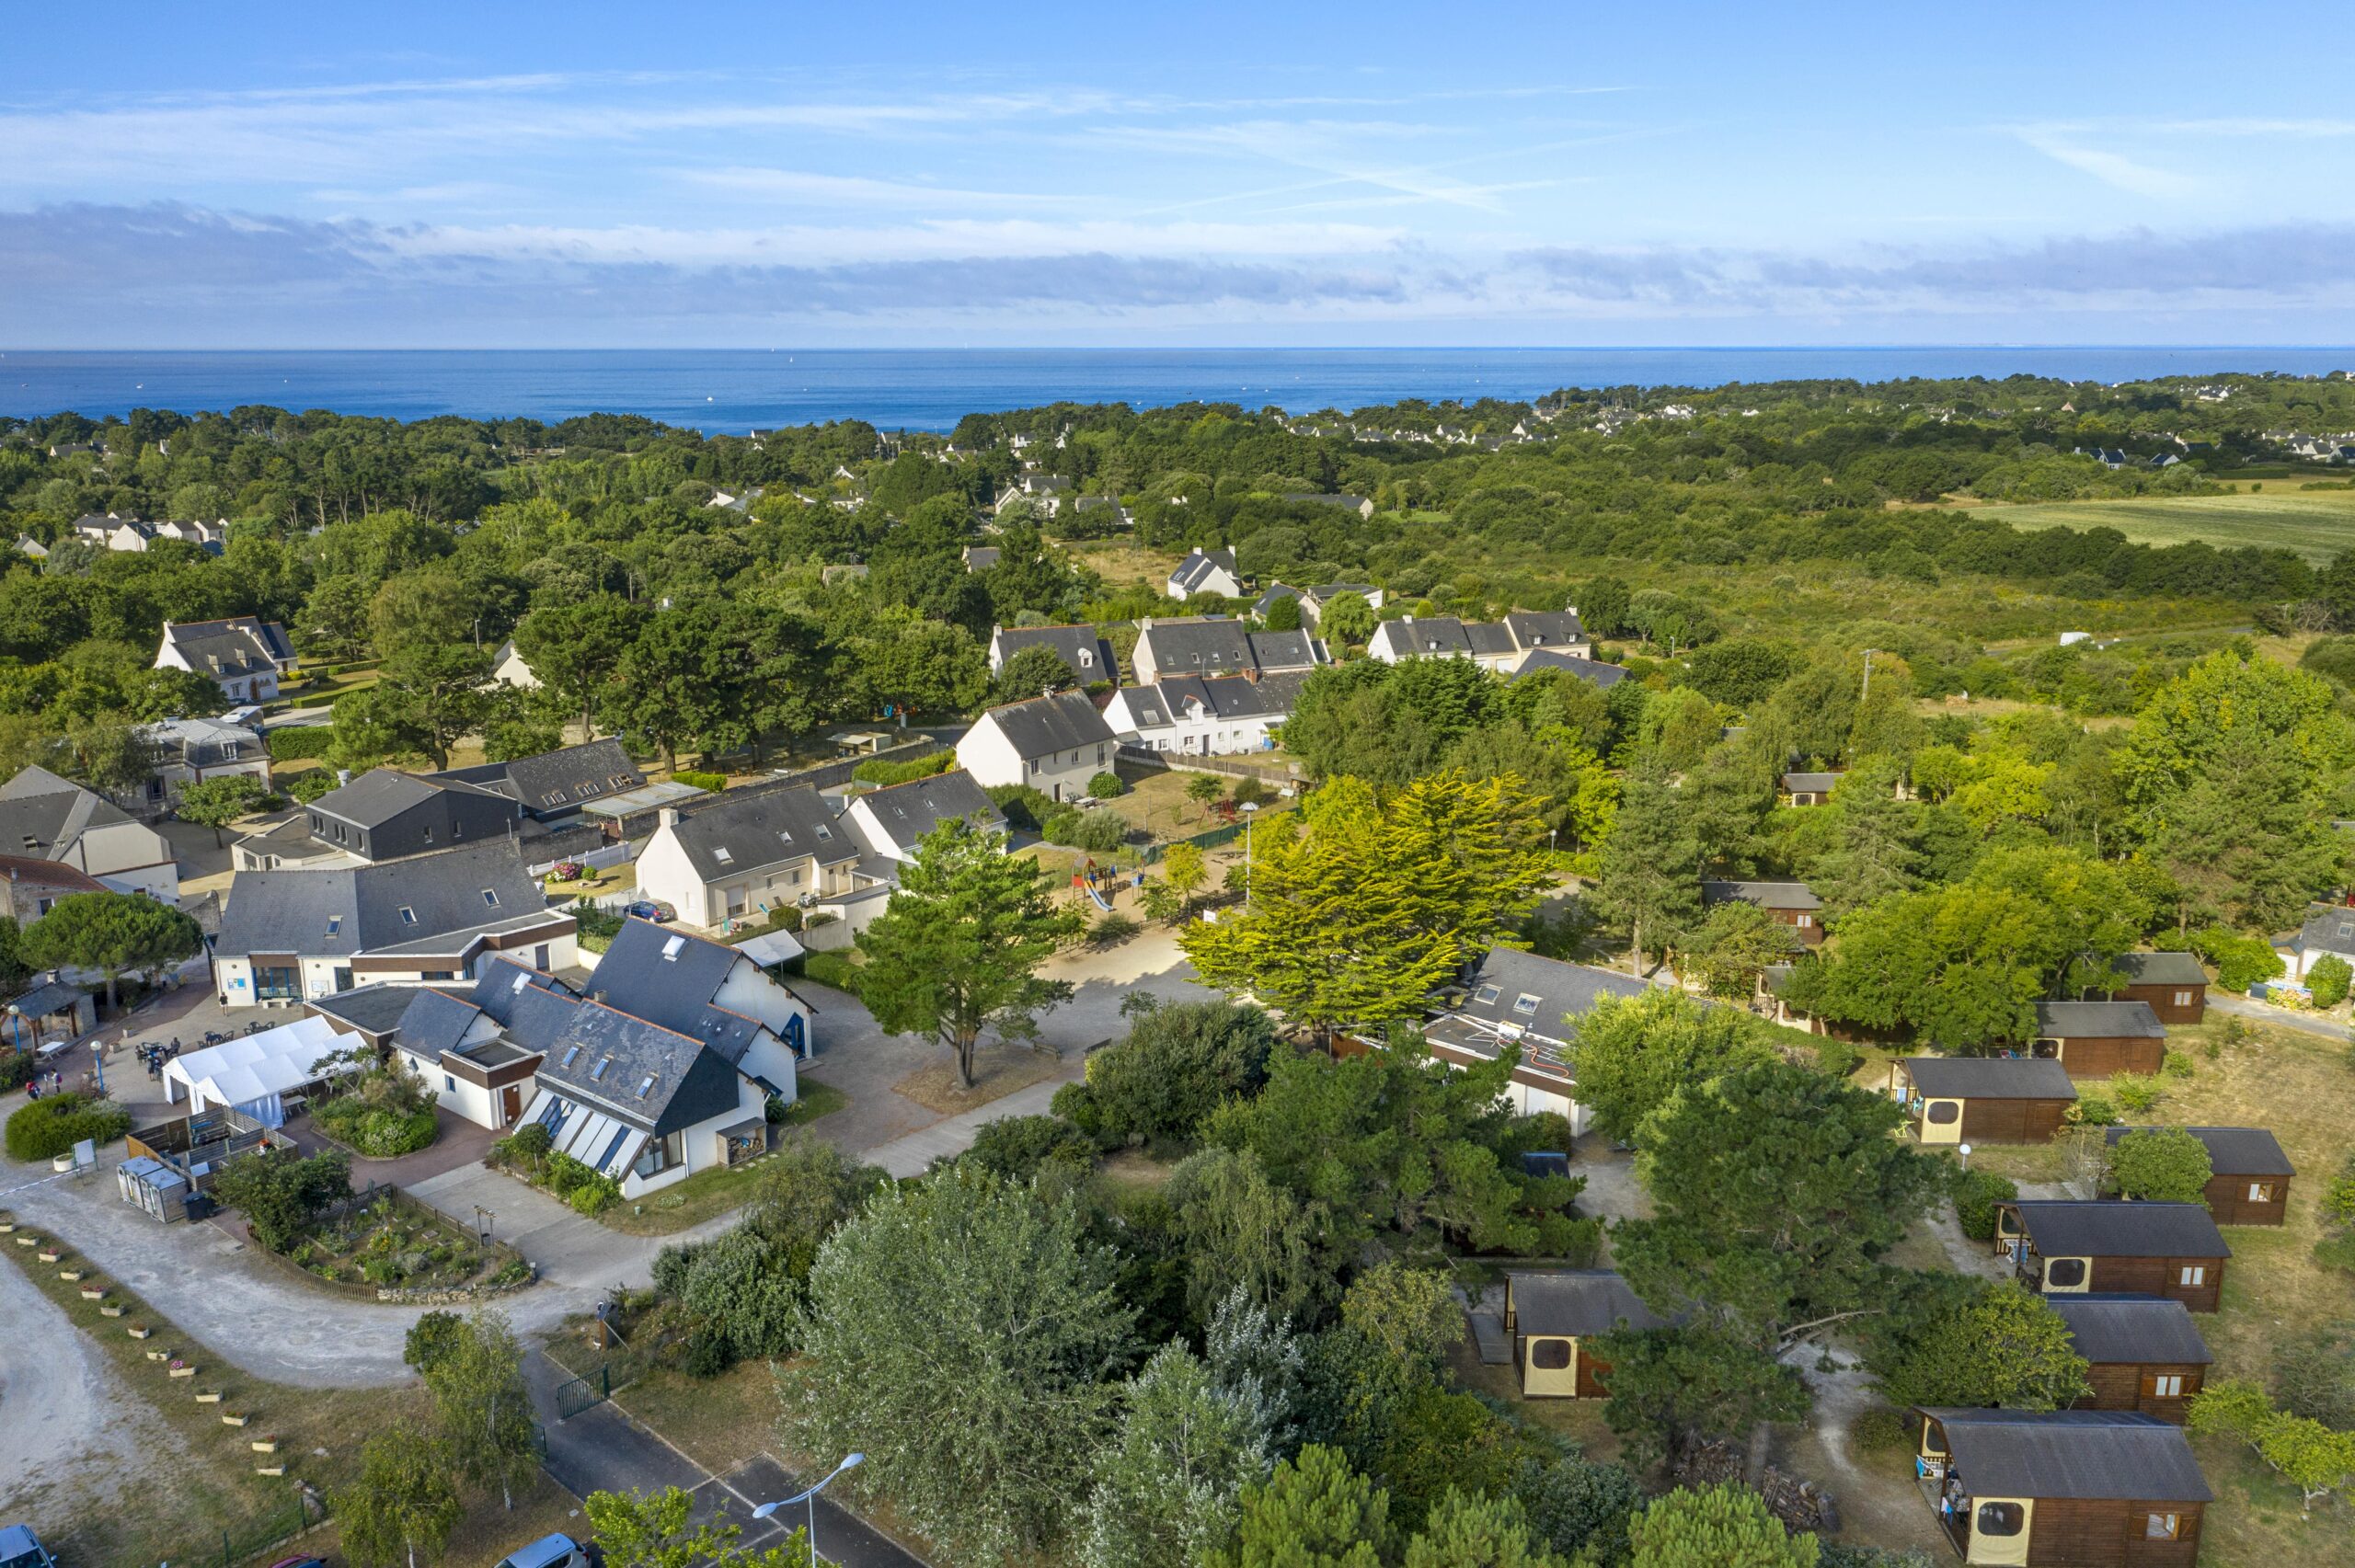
(43, 817)
(1056, 745)
(1221, 716)
(1206, 571)
(745, 855)
(243, 656)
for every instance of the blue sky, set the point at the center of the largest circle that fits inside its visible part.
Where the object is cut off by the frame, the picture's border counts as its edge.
(749, 176)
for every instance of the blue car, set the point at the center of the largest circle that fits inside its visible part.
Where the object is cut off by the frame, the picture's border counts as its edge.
(19, 1548)
(549, 1551)
(650, 909)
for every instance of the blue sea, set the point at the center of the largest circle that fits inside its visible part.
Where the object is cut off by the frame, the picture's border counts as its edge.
(731, 392)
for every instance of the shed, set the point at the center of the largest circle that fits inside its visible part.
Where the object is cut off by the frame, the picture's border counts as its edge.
(2064, 1248)
(2090, 1487)
(2094, 1039)
(2173, 985)
(1955, 1100)
(2141, 1351)
(1811, 789)
(52, 1014)
(1792, 904)
(2250, 1179)
(149, 1183)
(1551, 1313)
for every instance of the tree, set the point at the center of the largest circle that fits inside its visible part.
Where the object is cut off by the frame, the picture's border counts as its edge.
(1347, 618)
(1468, 1530)
(14, 970)
(1577, 1505)
(1283, 615)
(1185, 869)
(1647, 871)
(1632, 1055)
(1204, 789)
(216, 802)
(1033, 671)
(1728, 1526)
(1962, 965)
(2161, 1165)
(1242, 1234)
(680, 681)
(431, 1339)
(2310, 1456)
(1410, 1312)
(957, 948)
(1168, 1487)
(636, 1529)
(576, 648)
(1733, 945)
(960, 1331)
(485, 1407)
(280, 1193)
(1700, 1378)
(1996, 1346)
(114, 933)
(403, 1506)
(1177, 1063)
(1876, 850)
(1314, 1512)
(2329, 980)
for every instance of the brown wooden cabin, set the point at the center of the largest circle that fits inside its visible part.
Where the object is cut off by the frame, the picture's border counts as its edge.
(1551, 1313)
(1956, 1100)
(2143, 1353)
(1811, 789)
(1792, 904)
(2173, 985)
(2071, 1488)
(2063, 1248)
(2250, 1183)
(2094, 1039)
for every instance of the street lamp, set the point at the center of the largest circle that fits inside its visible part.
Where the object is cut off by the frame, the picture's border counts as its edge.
(811, 1497)
(1250, 811)
(1966, 1156)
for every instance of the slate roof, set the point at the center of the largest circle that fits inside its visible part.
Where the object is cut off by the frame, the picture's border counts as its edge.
(1811, 784)
(2063, 1228)
(1541, 628)
(906, 812)
(2109, 1329)
(669, 978)
(2329, 928)
(41, 814)
(1428, 634)
(761, 831)
(1561, 989)
(2232, 1151)
(334, 912)
(1604, 675)
(378, 795)
(437, 1021)
(1765, 895)
(1221, 696)
(1487, 638)
(553, 780)
(50, 996)
(373, 1009)
(982, 557)
(1990, 1078)
(1578, 1302)
(2161, 969)
(2097, 1020)
(1222, 647)
(2113, 1454)
(655, 1079)
(1267, 600)
(1069, 643)
(239, 645)
(1196, 568)
(203, 743)
(1043, 725)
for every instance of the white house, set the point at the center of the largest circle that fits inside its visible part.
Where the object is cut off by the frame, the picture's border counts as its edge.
(191, 751)
(1193, 645)
(890, 822)
(1313, 601)
(1085, 651)
(507, 667)
(243, 656)
(1521, 999)
(1220, 716)
(2329, 930)
(746, 854)
(46, 818)
(1056, 745)
(1206, 571)
(1501, 645)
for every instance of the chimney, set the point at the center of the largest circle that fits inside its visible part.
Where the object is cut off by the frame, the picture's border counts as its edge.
(668, 816)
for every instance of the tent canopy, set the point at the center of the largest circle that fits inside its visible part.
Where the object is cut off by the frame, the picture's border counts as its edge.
(255, 1072)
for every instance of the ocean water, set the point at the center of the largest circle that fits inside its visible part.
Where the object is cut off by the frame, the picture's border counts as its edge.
(731, 392)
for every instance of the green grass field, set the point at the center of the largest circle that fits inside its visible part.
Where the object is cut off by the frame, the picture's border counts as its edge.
(2319, 525)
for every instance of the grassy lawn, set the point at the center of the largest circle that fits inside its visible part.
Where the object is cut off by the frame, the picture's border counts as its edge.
(1578, 1419)
(2316, 524)
(817, 1100)
(707, 1195)
(612, 879)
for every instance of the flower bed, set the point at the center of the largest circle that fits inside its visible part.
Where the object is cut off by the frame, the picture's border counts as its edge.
(392, 1243)
(380, 1115)
(525, 1153)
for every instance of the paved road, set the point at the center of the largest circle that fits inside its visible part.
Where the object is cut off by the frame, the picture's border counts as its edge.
(2282, 1017)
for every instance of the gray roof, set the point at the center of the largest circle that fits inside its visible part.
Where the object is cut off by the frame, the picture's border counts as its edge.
(760, 830)
(1577, 1302)
(669, 978)
(378, 795)
(1990, 1078)
(50, 996)
(1222, 648)
(653, 1078)
(2232, 1151)
(2160, 968)
(239, 645)
(1604, 675)
(1267, 600)
(1198, 566)
(1069, 642)
(1540, 628)
(982, 557)
(436, 1021)
(2097, 1020)
(1765, 895)
(553, 780)
(1428, 634)
(1489, 637)
(2064, 1228)
(1560, 990)
(41, 814)
(2329, 928)
(906, 812)
(2109, 1329)
(1043, 725)
(2113, 1454)
(1221, 696)
(1811, 784)
(334, 912)
(375, 1010)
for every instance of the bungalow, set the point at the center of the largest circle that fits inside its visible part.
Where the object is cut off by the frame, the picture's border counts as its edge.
(2091, 1487)
(1792, 904)
(1085, 651)
(2141, 1351)
(45, 818)
(2059, 1247)
(2249, 1180)
(2173, 984)
(191, 751)
(1809, 789)
(1955, 1100)
(1196, 647)
(1056, 745)
(746, 854)
(243, 656)
(1206, 571)
(1550, 1313)
(554, 786)
(1221, 715)
(889, 823)
(2094, 1039)
(1514, 998)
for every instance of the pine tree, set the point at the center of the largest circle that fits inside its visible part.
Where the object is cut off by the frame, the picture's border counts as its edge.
(1647, 871)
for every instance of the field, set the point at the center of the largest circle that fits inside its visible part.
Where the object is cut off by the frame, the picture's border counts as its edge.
(2317, 525)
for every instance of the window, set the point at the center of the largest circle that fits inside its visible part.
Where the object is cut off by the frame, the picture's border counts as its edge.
(597, 1073)
(2260, 1192)
(671, 947)
(2166, 1385)
(2001, 1519)
(2161, 1527)
(825, 834)
(1942, 1113)
(722, 856)
(449, 1084)
(1804, 921)
(335, 924)
(2065, 1274)
(569, 1053)
(645, 1086)
(2183, 998)
(621, 1136)
(1487, 996)
(429, 835)
(490, 897)
(1525, 1005)
(1549, 1354)
(784, 837)
(408, 916)
(2193, 1274)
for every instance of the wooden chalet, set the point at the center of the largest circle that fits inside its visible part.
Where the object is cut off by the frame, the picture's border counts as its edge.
(2096, 1039)
(2141, 1351)
(1549, 1316)
(2081, 1488)
(2173, 985)
(1792, 904)
(1809, 789)
(1956, 1100)
(2063, 1248)
(2250, 1179)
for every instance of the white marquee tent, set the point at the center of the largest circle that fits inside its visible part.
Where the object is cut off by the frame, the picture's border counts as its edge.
(254, 1072)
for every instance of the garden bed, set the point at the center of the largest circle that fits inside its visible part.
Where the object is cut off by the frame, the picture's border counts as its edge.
(387, 1241)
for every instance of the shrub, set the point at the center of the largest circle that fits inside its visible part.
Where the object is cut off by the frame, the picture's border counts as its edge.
(2339, 1197)
(1110, 931)
(1578, 1243)
(1250, 789)
(43, 1129)
(594, 1196)
(302, 743)
(2162, 1165)
(2336, 1251)
(307, 787)
(2329, 980)
(1837, 1058)
(1880, 1430)
(1177, 1062)
(2135, 1092)
(1098, 832)
(1018, 1148)
(715, 783)
(2176, 1064)
(2093, 1110)
(884, 772)
(2241, 961)
(1024, 808)
(835, 970)
(527, 1145)
(1976, 1193)
(16, 1069)
(1107, 786)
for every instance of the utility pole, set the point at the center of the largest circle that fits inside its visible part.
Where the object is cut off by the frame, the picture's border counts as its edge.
(1869, 671)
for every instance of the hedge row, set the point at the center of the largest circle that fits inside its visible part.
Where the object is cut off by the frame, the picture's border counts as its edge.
(882, 771)
(300, 742)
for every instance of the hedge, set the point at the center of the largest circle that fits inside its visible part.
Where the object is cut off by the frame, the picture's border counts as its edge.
(43, 1129)
(712, 782)
(298, 743)
(883, 772)
(835, 970)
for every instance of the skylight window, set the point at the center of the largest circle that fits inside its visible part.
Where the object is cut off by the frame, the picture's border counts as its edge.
(824, 832)
(1487, 996)
(597, 1073)
(722, 856)
(490, 897)
(408, 916)
(1525, 1004)
(522, 980)
(335, 924)
(570, 1052)
(784, 836)
(671, 947)
(645, 1086)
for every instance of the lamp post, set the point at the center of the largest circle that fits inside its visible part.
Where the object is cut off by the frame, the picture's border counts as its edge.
(765, 1510)
(1965, 1152)
(1250, 812)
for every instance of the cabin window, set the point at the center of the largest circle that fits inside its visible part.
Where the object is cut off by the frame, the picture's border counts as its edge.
(2001, 1519)
(2162, 1527)
(2260, 1192)
(2046, 1051)
(1942, 1113)
(2194, 1274)
(2167, 1385)
(2065, 1274)
(1549, 1354)
(2183, 998)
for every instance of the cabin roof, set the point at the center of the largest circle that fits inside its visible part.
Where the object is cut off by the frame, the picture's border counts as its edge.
(2145, 1330)
(2108, 1454)
(2062, 1228)
(1990, 1078)
(1578, 1301)
(2097, 1020)
(2232, 1151)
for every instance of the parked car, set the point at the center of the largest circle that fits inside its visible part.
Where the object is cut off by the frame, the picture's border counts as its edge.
(653, 910)
(299, 1562)
(549, 1551)
(19, 1548)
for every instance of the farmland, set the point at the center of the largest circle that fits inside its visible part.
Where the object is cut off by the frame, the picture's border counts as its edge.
(2317, 525)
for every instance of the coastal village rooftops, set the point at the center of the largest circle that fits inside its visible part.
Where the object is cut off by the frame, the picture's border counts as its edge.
(906, 812)
(335, 910)
(1045, 726)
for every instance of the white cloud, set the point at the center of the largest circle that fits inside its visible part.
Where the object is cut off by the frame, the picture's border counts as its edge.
(2113, 168)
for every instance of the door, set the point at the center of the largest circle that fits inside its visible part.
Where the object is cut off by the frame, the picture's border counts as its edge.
(1941, 1121)
(540, 958)
(511, 1105)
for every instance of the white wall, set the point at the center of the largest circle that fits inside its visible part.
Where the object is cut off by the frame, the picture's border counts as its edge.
(988, 755)
(665, 873)
(750, 993)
